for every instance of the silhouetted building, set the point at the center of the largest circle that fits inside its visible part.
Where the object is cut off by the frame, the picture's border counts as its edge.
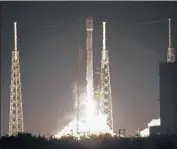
(168, 97)
(155, 130)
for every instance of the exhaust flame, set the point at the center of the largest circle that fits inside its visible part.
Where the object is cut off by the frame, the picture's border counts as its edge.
(90, 122)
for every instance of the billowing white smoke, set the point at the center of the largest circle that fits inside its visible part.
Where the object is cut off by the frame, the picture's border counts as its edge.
(145, 132)
(90, 119)
(97, 126)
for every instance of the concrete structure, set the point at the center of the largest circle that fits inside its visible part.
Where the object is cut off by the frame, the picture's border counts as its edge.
(168, 97)
(155, 130)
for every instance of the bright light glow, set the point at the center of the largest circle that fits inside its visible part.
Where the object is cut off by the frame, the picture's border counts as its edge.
(145, 132)
(97, 126)
(90, 122)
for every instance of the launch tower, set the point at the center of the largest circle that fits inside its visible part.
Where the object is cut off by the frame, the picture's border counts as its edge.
(16, 110)
(106, 97)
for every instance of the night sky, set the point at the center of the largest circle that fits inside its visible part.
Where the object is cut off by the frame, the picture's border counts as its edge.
(49, 34)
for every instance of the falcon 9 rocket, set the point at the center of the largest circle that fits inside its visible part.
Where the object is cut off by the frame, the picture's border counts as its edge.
(89, 71)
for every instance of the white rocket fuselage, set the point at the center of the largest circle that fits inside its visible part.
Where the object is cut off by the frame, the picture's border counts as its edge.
(89, 71)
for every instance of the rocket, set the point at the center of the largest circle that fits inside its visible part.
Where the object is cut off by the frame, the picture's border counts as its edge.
(89, 70)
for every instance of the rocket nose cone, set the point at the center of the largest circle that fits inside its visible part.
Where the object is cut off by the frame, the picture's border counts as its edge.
(89, 18)
(89, 23)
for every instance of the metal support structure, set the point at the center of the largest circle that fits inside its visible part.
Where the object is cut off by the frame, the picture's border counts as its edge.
(106, 97)
(16, 109)
(171, 52)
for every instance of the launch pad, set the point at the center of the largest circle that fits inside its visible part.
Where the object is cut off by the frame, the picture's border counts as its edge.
(94, 114)
(97, 126)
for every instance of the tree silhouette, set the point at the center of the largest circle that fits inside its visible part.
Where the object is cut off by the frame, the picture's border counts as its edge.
(102, 141)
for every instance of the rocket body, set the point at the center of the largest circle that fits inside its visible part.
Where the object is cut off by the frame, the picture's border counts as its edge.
(89, 71)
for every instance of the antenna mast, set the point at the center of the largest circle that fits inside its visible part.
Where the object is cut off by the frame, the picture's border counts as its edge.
(16, 109)
(171, 52)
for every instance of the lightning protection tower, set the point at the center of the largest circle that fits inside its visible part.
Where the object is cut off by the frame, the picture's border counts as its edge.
(105, 85)
(16, 110)
(171, 52)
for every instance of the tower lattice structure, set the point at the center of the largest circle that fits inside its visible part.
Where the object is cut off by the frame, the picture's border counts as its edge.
(171, 51)
(16, 109)
(105, 84)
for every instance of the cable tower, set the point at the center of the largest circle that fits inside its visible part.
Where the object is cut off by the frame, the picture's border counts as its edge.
(16, 110)
(171, 52)
(106, 97)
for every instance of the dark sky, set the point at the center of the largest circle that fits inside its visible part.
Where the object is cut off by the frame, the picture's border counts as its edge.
(49, 36)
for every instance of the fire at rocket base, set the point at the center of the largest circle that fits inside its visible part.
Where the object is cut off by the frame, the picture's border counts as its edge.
(89, 71)
(89, 122)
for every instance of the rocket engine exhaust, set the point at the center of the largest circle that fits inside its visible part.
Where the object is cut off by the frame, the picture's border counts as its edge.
(89, 118)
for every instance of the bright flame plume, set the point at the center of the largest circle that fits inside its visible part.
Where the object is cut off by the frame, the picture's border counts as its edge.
(91, 122)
